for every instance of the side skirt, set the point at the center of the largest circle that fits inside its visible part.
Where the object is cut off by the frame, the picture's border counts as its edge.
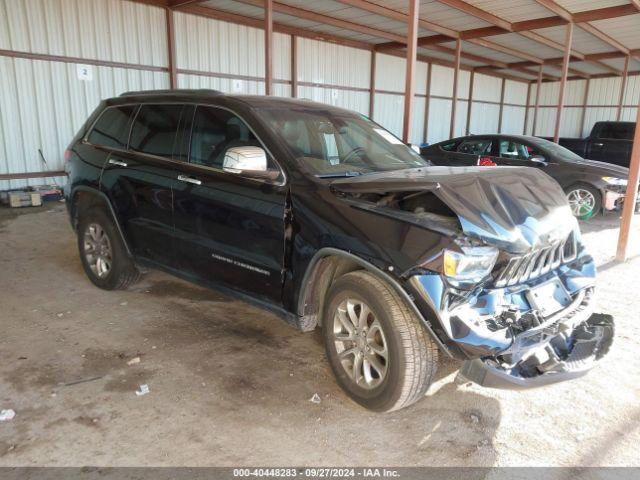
(287, 316)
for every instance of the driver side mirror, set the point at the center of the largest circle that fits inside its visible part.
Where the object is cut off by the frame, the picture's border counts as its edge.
(538, 160)
(249, 161)
(239, 159)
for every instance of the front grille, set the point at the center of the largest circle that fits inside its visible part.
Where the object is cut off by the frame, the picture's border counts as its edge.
(532, 265)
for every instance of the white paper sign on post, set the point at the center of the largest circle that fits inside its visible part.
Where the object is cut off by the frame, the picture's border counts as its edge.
(85, 73)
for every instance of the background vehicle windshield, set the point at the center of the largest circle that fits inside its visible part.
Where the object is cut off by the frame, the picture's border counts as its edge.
(558, 152)
(329, 143)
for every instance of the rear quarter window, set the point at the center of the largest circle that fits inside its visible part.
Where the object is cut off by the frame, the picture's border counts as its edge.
(449, 147)
(112, 128)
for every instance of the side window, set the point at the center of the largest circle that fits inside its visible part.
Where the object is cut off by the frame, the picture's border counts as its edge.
(112, 128)
(618, 131)
(215, 130)
(449, 147)
(477, 146)
(516, 151)
(154, 129)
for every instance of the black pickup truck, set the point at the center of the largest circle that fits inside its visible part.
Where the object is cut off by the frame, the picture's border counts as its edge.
(609, 142)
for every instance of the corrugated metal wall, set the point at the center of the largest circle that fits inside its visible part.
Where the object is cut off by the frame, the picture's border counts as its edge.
(333, 74)
(44, 103)
(233, 60)
(389, 98)
(601, 104)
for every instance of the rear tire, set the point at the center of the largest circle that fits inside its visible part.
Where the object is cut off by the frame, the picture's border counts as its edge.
(384, 359)
(102, 252)
(585, 200)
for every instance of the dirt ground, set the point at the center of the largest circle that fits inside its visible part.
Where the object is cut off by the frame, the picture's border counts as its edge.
(230, 385)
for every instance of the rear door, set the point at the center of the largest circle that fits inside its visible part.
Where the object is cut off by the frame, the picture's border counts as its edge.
(229, 228)
(140, 181)
(470, 151)
(440, 154)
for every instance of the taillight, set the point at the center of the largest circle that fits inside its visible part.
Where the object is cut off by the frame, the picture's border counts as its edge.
(486, 162)
(67, 155)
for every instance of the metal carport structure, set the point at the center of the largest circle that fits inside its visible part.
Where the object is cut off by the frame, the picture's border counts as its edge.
(557, 49)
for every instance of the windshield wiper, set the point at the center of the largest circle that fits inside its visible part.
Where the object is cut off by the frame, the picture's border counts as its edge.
(339, 174)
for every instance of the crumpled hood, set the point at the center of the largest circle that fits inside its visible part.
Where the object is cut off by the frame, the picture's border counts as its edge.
(514, 208)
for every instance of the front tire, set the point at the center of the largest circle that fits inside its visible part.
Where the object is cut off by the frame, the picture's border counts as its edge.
(585, 200)
(102, 252)
(380, 353)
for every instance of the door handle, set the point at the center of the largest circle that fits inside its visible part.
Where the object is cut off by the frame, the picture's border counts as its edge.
(598, 144)
(184, 178)
(117, 162)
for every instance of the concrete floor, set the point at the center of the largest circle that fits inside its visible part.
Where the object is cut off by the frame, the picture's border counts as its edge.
(230, 385)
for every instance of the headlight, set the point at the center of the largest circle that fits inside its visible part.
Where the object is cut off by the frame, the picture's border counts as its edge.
(471, 266)
(615, 181)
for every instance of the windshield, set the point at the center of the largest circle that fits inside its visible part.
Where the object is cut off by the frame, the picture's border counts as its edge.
(335, 144)
(558, 152)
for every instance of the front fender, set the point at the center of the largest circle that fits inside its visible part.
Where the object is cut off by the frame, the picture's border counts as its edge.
(312, 287)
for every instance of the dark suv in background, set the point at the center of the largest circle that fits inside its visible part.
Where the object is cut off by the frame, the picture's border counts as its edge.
(327, 219)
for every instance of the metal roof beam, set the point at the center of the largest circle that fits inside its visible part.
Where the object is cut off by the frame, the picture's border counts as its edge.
(604, 37)
(582, 19)
(277, 27)
(178, 4)
(385, 11)
(478, 13)
(557, 9)
(604, 13)
(500, 23)
(327, 20)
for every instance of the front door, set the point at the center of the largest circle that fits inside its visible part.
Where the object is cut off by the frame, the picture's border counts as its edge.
(613, 144)
(229, 229)
(520, 154)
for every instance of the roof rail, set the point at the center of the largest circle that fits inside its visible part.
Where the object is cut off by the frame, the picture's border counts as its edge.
(203, 91)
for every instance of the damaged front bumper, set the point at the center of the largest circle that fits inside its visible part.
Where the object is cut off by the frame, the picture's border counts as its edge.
(561, 358)
(505, 339)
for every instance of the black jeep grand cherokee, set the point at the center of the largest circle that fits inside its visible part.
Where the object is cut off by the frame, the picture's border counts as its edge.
(324, 217)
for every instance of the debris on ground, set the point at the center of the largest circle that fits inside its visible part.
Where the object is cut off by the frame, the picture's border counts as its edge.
(143, 390)
(84, 380)
(133, 361)
(315, 399)
(6, 415)
(475, 418)
(483, 443)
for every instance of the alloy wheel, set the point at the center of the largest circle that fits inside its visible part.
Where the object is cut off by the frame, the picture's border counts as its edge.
(97, 250)
(582, 202)
(360, 343)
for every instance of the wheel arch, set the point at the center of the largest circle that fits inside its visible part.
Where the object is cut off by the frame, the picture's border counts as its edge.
(84, 197)
(599, 189)
(325, 267)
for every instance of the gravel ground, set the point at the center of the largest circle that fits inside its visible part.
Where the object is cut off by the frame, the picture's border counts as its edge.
(230, 385)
